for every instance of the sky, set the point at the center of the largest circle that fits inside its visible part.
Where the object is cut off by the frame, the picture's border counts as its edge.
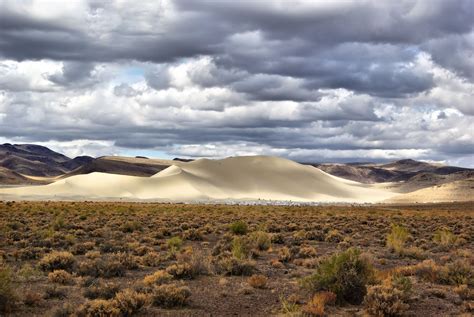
(313, 81)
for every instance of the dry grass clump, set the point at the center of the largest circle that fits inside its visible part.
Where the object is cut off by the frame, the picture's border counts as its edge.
(98, 307)
(158, 278)
(170, 295)
(234, 266)
(258, 281)
(58, 260)
(456, 273)
(61, 277)
(397, 238)
(317, 305)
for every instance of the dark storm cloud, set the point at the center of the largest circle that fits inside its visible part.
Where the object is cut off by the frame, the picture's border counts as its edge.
(338, 79)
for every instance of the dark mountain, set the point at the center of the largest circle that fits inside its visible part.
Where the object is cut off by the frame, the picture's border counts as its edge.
(18, 161)
(407, 175)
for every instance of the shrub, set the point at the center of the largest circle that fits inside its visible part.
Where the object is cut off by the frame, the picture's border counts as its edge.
(234, 266)
(444, 238)
(61, 277)
(240, 248)
(55, 292)
(238, 227)
(57, 260)
(180, 270)
(130, 302)
(101, 290)
(385, 300)
(261, 240)
(464, 292)
(31, 298)
(396, 238)
(170, 295)
(102, 268)
(157, 278)
(317, 305)
(334, 236)
(8, 296)
(346, 274)
(457, 273)
(258, 281)
(174, 244)
(98, 307)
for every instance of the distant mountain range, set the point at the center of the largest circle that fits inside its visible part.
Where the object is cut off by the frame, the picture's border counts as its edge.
(22, 164)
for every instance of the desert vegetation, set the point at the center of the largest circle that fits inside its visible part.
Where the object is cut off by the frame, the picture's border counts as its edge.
(124, 259)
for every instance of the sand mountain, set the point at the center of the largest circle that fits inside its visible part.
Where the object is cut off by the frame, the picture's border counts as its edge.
(235, 178)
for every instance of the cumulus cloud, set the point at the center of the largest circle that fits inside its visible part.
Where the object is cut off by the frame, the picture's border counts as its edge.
(312, 81)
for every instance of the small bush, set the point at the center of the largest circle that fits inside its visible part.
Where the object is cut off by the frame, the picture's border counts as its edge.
(130, 302)
(444, 238)
(258, 281)
(346, 274)
(261, 240)
(61, 277)
(101, 290)
(464, 292)
(58, 260)
(234, 266)
(334, 236)
(174, 244)
(239, 227)
(170, 295)
(390, 298)
(240, 248)
(157, 278)
(8, 296)
(98, 307)
(397, 238)
(317, 305)
(55, 292)
(180, 270)
(31, 298)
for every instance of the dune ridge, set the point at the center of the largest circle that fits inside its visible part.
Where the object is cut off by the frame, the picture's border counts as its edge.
(234, 178)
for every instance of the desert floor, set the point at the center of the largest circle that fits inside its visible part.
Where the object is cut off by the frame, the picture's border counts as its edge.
(92, 258)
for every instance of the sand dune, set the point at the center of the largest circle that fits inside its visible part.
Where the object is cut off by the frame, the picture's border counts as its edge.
(461, 190)
(235, 178)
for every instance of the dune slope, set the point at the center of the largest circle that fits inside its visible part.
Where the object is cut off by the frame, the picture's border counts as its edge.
(235, 178)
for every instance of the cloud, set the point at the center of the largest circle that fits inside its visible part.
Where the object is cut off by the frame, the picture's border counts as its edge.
(314, 80)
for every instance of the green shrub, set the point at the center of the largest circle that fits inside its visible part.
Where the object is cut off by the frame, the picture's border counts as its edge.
(444, 238)
(8, 296)
(174, 244)
(346, 274)
(396, 238)
(238, 227)
(261, 240)
(240, 248)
